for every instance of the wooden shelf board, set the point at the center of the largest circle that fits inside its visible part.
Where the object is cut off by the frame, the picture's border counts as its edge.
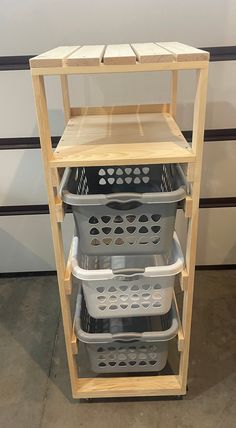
(128, 386)
(113, 58)
(116, 139)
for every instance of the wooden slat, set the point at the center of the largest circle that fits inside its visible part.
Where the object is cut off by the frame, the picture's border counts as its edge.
(128, 386)
(150, 52)
(183, 52)
(140, 108)
(52, 58)
(119, 54)
(86, 55)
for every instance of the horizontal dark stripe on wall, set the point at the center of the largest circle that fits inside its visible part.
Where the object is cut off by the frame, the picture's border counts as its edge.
(213, 135)
(53, 272)
(24, 143)
(21, 62)
(27, 274)
(34, 143)
(221, 53)
(227, 202)
(15, 210)
(216, 267)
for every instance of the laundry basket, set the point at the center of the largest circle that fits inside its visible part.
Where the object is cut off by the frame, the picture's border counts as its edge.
(124, 210)
(127, 344)
(127, 286)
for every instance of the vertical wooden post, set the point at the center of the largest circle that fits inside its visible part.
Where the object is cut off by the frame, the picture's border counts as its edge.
(197, 145)
(65, 97)
(174, 89)
(45, 140)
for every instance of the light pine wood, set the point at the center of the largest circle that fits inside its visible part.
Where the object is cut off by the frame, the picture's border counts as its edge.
(174, 88)
(184, 276)
(74, 342)
(150, 52)
(117, 58)
(68, 273)
(180, 330)
(86, 55)
(121, 139)
(65, 97)
(52, 58)
(197, 144)
(45, 140)
(119, 54)
(123, 134)
(119, 68)
(188, 170)
(188, 206)
(60, 212)
(54, 174)
(128, 386)
(140, 108)
(183, 52)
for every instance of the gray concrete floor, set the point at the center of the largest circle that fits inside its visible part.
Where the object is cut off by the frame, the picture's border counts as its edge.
(34, 381)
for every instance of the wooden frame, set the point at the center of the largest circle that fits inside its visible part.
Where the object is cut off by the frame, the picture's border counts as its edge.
(124, 386)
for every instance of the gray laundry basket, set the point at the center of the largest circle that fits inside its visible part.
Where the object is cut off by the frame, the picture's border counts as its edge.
(127, 286)
(124, 210)
(127, 344)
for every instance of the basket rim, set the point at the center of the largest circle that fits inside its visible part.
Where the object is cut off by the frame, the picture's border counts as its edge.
(151, 271)
(103, 338)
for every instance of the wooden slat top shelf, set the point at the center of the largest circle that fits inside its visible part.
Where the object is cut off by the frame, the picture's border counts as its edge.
(111, 136)
(118, 58)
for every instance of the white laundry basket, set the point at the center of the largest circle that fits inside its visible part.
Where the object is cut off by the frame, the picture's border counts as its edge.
(134, 215)
(127, 344)
(122, 286)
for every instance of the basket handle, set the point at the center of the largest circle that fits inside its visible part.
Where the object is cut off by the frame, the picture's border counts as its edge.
(127, 337)
(123, 197)
(128, 271)
(124, 206)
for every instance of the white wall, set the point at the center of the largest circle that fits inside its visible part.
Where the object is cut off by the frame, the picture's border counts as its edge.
(30, 27)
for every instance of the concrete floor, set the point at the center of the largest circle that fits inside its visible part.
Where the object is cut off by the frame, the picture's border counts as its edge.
(34, 381)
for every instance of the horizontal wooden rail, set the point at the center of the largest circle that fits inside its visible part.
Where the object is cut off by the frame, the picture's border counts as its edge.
(125, 109)
(184, 279)
(139, 386)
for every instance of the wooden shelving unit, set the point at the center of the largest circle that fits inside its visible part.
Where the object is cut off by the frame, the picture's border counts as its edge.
(119, 135)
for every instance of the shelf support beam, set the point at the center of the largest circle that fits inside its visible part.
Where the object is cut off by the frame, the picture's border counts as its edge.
(188, 206)
(65, 97)
(174, 89)
(197, 145)
(45, 140)
(68, 274)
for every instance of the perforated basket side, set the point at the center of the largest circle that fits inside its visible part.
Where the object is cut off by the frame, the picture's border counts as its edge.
(99, 335)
